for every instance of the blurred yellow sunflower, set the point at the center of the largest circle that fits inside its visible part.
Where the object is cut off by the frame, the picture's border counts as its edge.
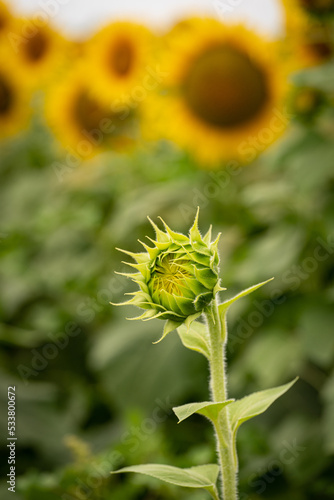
(6, 19)
(310, 36)
(307, 103)
(14, 100)
(118, 56)
(81, 123)
(38, 49)
(223, 92)
(316, 43)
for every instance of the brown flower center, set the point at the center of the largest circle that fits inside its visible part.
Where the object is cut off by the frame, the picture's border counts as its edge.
(225, 88)
(3, 21)
(93, 119)
(6, 97)
(317, 42)
(318, 6)
(36, 47)
(87, 113)
(321, 50)
(122, 57)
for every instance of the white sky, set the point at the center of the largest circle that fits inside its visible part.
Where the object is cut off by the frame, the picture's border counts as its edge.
(81, 16)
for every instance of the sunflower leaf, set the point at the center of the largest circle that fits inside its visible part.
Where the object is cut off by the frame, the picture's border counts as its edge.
(223, 308)
(202, 476)
(225, 305)
(195, 337)
(206, 408)
(253, 405)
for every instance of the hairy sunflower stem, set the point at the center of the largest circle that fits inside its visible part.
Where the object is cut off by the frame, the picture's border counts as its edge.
(224, 437)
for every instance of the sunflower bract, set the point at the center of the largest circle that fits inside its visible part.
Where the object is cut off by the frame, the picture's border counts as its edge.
(178, 276)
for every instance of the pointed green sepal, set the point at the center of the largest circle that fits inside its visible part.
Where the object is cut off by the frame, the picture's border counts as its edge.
(218, 288)
(147, 315)
(176, 237)
(195, 235)
(153, 252)
(207, 237)
(169, 327)
(161, 236)
(214, 244)
(127, 275)
(161, 246)
(137, 300)
(140, 258)
(142, 268)
(206, 277)
(202, 300)
(190, 319)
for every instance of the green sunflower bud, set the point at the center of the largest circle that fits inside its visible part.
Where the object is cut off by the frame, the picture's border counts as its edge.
(178, 276)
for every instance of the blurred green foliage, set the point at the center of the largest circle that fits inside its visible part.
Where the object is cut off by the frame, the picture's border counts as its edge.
(81, 370)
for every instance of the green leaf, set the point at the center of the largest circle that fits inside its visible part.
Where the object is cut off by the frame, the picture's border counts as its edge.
(169, 327)
(195, 337)
(206, 408)
(251, 406)
(223, 308)
(225, 305)
(255, 404)
(202, 476)
(321, 77)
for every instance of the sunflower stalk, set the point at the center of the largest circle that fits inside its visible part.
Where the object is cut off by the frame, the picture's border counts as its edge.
(218, 383)
(179, 282)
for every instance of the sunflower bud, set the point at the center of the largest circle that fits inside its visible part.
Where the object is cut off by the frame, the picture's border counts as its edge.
(178, 276)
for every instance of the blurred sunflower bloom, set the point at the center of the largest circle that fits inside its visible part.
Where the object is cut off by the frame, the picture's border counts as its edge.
(38, 49)
(117, 56)
(310, 36)
(14, 100)
(82, 124)
(307, 103)
(317, 44)
(224, 92)
(6, 19)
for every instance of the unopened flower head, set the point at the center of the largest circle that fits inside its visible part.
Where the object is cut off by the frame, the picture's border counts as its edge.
(178, 276)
